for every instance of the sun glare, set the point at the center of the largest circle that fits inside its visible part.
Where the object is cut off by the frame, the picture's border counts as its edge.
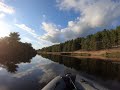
(4, 29)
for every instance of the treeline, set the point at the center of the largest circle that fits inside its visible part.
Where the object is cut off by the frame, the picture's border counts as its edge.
(11, 47)
(105, 39)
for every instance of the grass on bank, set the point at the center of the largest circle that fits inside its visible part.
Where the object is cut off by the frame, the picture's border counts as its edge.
(112, 55)
(80, 54)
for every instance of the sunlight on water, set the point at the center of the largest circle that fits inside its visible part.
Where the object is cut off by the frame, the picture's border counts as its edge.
(1, 68)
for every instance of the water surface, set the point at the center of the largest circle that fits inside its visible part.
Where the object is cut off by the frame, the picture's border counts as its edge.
(35, 73)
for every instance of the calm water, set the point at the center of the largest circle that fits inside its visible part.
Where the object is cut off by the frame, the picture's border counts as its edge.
(33, 74)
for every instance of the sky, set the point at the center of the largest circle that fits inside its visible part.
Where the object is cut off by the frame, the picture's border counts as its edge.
(48, 22)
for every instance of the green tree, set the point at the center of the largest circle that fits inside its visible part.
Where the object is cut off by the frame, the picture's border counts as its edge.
(118, 32)
(105, 39)
(14, 37)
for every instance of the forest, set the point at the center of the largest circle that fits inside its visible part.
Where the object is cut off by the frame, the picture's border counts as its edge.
(105, 39)
(13, 52)
(11, 46)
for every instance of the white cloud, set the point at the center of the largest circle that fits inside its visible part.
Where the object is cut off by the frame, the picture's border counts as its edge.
(26, 28)
(5, 26)
(2, 0)
(52, 32)
(50, 71)
(2, 15)
(93, 14)
(35, 40)
(27, 39)
(5, 8)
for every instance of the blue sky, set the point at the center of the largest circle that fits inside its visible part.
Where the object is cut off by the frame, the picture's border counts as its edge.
(47, 22)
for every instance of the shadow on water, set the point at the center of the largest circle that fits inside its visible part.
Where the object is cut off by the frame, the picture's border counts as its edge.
(107, 70)
(11, 63)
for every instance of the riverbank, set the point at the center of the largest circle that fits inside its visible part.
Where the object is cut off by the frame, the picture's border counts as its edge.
(109, 54)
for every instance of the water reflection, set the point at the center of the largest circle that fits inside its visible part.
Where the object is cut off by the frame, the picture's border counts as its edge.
(30, 76)
(107, 70)
(11, 63)
(35, 73)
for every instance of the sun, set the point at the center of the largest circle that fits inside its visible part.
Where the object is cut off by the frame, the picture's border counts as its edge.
(4, 29)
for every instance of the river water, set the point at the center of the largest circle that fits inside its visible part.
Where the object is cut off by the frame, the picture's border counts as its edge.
(38, 71)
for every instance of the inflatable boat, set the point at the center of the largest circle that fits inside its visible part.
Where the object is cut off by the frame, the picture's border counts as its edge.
(68, 82)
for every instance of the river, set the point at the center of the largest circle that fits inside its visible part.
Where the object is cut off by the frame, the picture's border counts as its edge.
(38, 71)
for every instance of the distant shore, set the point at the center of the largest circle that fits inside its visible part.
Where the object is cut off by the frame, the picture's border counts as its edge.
(109, 54)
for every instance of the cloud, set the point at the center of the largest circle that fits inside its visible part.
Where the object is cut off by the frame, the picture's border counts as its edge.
(37, 42)
(5, 8)
(1, 0)
(93, 14)
(2, 15)
(5, 26)
(50, 71)
(26, 28)
(27, 39)
(24, 73)
(52, 32)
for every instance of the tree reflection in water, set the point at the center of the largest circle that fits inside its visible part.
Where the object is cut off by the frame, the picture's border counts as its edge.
(101, 68)
(11, 64)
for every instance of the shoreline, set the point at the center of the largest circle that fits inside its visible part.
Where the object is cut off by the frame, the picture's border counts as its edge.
(109, 54)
